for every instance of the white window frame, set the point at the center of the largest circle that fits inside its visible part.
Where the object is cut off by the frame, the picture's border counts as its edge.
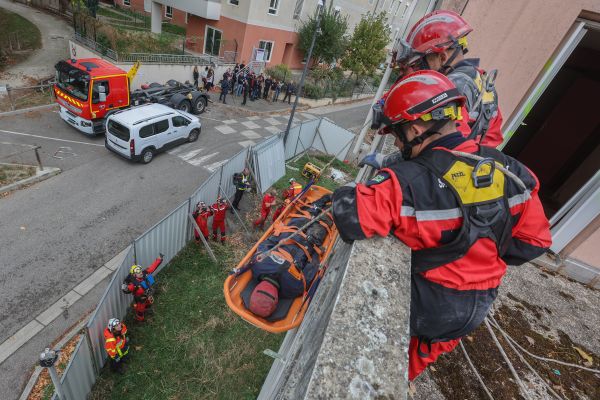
(231, 3)
(275, 9)
(298, 12)
(186, 17)
(206, 37)
(127, 3)
(167, 14)
(265, 48)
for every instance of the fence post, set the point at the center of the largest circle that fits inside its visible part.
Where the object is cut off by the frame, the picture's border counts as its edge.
(8, 90)
(39, 160)
(201, 235)
(88, 340)
(234, 210)
(47, 360)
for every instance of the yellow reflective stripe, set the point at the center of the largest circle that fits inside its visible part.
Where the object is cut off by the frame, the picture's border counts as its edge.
(111, 340)
(451, 111)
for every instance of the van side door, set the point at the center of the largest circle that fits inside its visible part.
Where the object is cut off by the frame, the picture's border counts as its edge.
(163, 132)
(180, 127)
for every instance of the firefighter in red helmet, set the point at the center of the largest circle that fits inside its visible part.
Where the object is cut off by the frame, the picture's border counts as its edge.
(465, 210)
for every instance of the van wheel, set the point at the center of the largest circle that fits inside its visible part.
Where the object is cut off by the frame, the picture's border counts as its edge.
(199, 105)
(184, 105)
(193, 136)
(147, 155)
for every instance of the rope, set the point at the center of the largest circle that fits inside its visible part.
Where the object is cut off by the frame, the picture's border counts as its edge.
(543, 358)
(495, 325)
(510, 366)
(485, 388)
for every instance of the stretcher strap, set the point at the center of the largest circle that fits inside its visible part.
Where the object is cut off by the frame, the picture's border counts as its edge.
(288, 257)
(301, 246)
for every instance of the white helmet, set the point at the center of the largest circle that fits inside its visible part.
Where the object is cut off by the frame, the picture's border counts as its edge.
(112, 323)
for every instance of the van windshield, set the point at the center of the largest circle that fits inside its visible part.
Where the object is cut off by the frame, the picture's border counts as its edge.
(118, 130)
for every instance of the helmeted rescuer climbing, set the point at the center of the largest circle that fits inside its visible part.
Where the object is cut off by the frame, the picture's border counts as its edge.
(438, 41)
(139, 283)
(265, 208)
(219, 210)
(201, 215)
(116, 344)
(465, 210)
(288, 194)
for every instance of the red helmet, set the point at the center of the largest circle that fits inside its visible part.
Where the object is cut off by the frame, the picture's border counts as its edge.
(437, 31)
(422, 94)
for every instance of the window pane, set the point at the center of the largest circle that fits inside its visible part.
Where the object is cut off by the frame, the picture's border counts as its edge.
(146, 131)
(298, 8)
(161, 126)
(179, 121)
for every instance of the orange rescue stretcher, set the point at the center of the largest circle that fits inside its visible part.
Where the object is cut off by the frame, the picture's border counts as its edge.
(236, 283)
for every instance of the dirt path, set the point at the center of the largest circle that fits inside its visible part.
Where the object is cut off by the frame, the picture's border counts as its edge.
(55, 40)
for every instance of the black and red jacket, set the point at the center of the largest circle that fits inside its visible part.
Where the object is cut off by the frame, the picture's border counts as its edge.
(419, 208)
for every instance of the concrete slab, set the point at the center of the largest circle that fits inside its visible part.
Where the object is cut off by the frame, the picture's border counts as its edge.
(92, 280)
(21, 337)
(57, 308)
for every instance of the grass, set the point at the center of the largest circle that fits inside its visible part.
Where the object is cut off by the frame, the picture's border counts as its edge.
(29, 37)
(137, 20)
(319, 160)
(23, 98)
(10, 173)
(194, 347)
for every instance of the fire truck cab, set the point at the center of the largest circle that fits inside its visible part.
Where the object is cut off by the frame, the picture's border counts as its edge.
(87, 89)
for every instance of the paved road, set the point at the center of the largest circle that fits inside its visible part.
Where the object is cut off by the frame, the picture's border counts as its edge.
(55, 39)
(56, 233)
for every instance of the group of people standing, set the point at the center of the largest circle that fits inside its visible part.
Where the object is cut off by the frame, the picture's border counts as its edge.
(242, 82)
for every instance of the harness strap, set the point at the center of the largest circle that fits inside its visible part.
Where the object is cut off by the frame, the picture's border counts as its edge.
(293, 269)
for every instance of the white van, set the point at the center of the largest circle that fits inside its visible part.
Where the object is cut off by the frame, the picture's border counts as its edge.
(139, 133)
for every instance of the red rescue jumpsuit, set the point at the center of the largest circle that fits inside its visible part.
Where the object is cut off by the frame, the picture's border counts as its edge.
(141, 298)
(408, 199)
(201, 218)
(288, 194)
(265, 208)
(219, 211)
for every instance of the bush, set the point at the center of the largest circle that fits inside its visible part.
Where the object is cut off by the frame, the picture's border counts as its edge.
(279, 72)
(312, 91)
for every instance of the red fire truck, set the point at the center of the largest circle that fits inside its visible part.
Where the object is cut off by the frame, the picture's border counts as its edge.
(90, 89)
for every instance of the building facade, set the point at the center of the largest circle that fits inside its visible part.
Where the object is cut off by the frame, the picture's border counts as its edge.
(547, 53)
(264, 30)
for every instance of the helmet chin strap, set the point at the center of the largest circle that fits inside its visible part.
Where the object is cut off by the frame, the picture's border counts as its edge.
(447, 67)
(409, 145)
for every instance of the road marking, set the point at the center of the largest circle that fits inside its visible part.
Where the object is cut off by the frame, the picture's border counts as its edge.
(250, 134)
(212, 167)
(50, 138)
(230, 121)
(17, 340)
(247, 143)
(203, 159)
(272, 121)
(273, 129)
(251, 124)
(212, 119)
(253, 118)
(191, 154)
(225, 129)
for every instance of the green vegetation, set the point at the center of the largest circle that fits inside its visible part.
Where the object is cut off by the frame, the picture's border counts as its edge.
(11, 173)
(280, 72)
(18, 37)
(331, 43)
(125, 41)
(366, 50)
(320, 160)
(194, 346)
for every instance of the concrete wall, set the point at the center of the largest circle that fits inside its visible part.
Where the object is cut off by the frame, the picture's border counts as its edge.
(149, 73)
(518, 37)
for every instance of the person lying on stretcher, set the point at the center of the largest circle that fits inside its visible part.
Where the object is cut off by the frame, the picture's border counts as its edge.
(281, 275)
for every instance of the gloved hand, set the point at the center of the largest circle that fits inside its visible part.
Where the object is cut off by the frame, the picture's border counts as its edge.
(161, 255)
(374, 160)
(124, 287)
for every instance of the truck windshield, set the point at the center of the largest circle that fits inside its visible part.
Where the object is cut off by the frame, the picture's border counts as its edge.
(72, 80)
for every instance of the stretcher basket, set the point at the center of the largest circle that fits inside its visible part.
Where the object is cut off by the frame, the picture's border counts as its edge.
(235, 284)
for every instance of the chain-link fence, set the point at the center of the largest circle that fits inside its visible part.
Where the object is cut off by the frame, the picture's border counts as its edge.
(171, 235)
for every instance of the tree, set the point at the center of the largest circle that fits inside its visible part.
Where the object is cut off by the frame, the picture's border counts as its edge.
(366, 50)
(331, 41)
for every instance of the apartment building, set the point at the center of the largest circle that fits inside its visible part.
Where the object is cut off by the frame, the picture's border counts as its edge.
(247, 30)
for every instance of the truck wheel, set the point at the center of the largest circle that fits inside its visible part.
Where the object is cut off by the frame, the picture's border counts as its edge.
(199, 105)
(147, 155)
(193, 136)
(184, 105)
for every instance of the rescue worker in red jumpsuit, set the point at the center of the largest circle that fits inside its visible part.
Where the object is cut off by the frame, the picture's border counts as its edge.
(465, 210)
(139, 283)
(201, 216)
(288, 194)
(116, 344)
(219, 210)
(438, 42)
(265, 208)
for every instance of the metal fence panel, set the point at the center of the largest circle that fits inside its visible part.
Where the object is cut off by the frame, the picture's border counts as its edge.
(307, 135)
(168, 236)
(235, 164)
(113, 304)
(269, 162)
(332, 139)
(79, 376)
(290, 144)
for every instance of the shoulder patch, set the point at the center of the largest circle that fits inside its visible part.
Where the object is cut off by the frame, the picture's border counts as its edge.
(381, 176)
